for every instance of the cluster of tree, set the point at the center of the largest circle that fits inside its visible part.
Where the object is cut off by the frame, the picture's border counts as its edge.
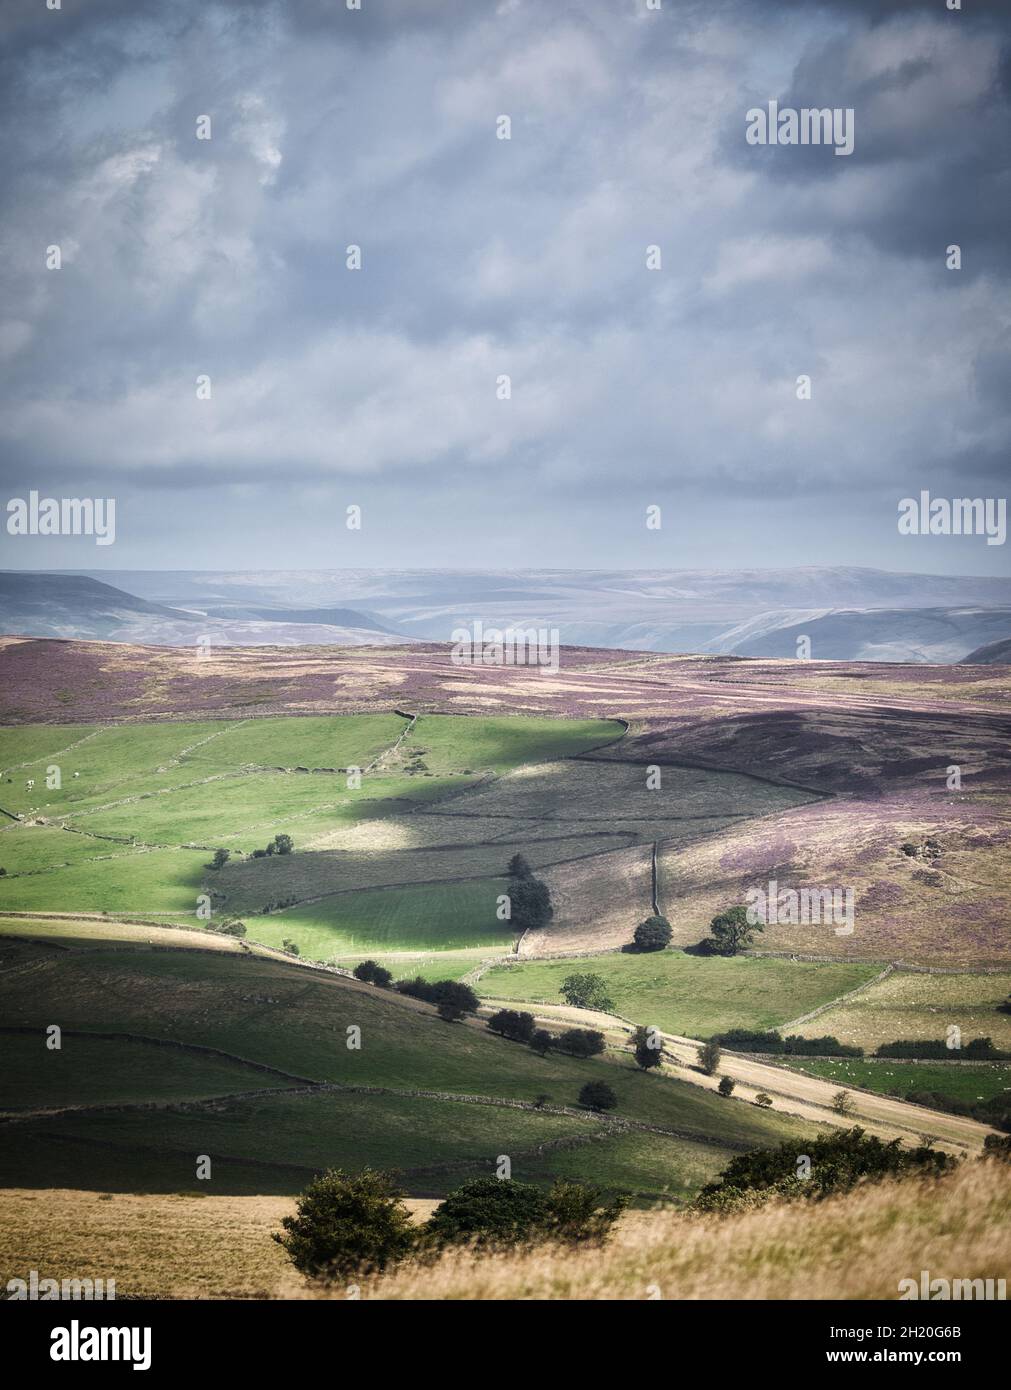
(280, 844)
(522, 1027)
(997, 1146)
(836, 1163)
(753, 1040)
(730, 933)
(451, 998)
(529, 899)
(652, 934)
(373, 974)
(357, 1223)
(937, 1049)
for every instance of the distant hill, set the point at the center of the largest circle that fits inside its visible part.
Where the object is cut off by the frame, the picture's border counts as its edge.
(993, 654)
(850, 613)
(936, 635)
(81, 606)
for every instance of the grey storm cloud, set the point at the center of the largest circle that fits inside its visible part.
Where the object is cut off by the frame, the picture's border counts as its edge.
(485, 257)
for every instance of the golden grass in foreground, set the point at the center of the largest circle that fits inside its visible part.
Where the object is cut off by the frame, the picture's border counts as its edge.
(852, 1247)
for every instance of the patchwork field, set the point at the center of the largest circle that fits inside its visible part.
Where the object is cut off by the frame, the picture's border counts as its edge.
(689, 995)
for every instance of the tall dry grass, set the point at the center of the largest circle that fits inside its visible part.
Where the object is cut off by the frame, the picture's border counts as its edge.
(851, 1247)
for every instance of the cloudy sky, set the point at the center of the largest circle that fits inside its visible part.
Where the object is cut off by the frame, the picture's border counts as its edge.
(484, 257)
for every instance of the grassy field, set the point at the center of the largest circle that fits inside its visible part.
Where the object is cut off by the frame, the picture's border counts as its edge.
(908, 1005)
(690, 995)
(150, 802)
(438, 916)
(258, 1009)
(968, 1081)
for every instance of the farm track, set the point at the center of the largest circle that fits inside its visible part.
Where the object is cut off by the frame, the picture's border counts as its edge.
(806, 1097)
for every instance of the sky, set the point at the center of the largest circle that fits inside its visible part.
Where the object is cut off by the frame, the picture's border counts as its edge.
(224, 261)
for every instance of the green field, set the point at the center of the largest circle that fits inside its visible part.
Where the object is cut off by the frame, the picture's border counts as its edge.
(141, 808)
(442, 916)
(968, 1081)
(693, 996)
(258, 1009)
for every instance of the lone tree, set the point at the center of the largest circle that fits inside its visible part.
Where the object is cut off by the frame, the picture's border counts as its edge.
(372, 973)
(347, 1223)
(221, 858)
(653, 934)
(763, 1100)
(842, 1103)
(726, 1086)
(648, 1047)
(731, 932)
(529, 903)
(597, 1095)
(709, 1057)
(283, 844)
(519, 1027)
(585, 990)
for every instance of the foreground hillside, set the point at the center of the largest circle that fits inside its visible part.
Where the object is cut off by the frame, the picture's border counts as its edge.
(853, 1247)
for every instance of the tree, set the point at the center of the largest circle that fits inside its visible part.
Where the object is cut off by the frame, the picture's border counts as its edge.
(541, 1100)
(763, 1100)
(731, 931)
(709, 1057)
(519, 867)
(283, 844)
(440, 991)
(653, 934)
(372, 973)
(726, 1086)
(347, 1223)
(542, 1041)
(578, 1214)
(597, 1095)
(519, 1027)
(221, 858)
(581, 1042)
(648, 1047)
(290, 946)
(584, 990)
(529, 904)
(449, 1011)
(842, 1103)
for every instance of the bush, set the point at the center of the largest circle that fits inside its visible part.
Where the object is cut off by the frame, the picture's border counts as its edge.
(709, 1057)
(519, 1027)
(653, 934)
(372, 973)
(233, 927)
(838, 1162)
(290, 946)
(499, 1212)
(726, 1086)
(584, 990)
(347, 1224)
(440, 992)
(597, 1095)
(581, 1042)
